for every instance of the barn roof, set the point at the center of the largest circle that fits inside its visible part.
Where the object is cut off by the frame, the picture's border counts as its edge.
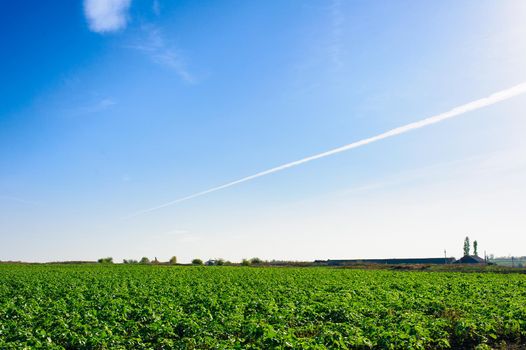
(392, 261)
(471, 259)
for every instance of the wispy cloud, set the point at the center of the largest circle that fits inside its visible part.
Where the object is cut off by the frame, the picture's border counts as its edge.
(457, 111)
(451, 168)
(161, 52)
(106, 15)
(156, 7)
(94, 107)
(105, 103)
(16, 199)
(176, 232)
(335, 44)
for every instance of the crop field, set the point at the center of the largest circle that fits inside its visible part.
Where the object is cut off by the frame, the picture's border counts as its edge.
(167, 307)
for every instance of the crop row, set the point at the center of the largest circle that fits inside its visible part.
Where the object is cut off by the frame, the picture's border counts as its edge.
(163, 307)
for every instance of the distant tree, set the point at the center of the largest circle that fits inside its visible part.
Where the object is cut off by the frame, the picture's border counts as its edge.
(197, 262)
(220, 262)
(108, 260)
(255, 261)
(475, 248)
(466, 246)
(144, 260)
(129, 261)
(155, 261)
(173, 260)
(245, 262)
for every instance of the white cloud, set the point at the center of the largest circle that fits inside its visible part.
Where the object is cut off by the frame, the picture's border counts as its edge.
(93, 107)
(98, 106)
(105, 103)
(106, 15)
(162, 53)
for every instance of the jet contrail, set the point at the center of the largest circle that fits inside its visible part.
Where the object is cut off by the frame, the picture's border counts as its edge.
(465, 108)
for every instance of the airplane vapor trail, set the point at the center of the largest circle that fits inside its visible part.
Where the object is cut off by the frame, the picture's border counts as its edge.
(459, 110)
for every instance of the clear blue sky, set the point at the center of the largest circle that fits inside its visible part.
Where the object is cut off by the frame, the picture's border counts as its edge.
(111, 107)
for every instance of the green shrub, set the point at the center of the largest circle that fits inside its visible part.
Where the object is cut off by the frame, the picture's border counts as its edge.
(108, 260)
(255, 261)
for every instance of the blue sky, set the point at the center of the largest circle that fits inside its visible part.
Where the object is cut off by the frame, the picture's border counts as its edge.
(112, 107)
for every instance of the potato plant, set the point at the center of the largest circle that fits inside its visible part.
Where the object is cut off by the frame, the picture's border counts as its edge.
(137, 306)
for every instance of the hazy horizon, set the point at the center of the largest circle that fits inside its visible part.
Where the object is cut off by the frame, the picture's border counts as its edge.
(203, 129)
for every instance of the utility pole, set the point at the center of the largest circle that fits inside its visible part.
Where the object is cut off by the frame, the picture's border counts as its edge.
(445, 257)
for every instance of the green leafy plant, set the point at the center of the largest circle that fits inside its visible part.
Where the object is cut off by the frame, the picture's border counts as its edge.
(132, 306)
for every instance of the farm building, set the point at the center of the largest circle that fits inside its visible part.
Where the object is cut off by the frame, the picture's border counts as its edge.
(470, 259)
(408, 261)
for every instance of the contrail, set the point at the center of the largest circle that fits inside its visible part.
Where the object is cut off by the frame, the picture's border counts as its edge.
(465, 108)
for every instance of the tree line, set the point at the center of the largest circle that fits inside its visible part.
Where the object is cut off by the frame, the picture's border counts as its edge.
(198, 262)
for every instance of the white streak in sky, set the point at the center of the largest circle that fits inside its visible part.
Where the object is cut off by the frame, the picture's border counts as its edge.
(465, 108)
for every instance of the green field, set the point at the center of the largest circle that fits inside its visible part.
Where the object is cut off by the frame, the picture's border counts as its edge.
(163, 307)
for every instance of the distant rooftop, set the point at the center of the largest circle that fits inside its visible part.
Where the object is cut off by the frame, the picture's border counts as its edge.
(449, 260)
(470, 259)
